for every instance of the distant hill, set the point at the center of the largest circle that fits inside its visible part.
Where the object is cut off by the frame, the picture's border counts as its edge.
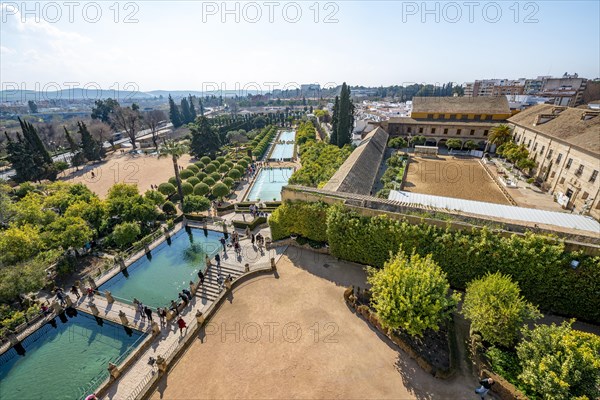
(72, 94)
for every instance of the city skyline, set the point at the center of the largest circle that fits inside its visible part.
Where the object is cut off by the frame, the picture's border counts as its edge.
(192, 46)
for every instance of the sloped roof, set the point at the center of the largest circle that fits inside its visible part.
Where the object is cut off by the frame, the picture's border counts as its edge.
(461, 105)
(357, 174)
(567, 125)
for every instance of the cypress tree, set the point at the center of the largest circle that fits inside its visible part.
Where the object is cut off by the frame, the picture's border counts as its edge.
(30, 134)
(92, 149)
(346, 117)
(205, 140)
(193, 114)
(186, 115)
(333, 139)
(78, 158)
(201, 107)
(174, 113)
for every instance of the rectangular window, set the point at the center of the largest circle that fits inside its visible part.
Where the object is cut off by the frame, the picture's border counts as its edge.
(559, 158)
(452, 116)
(569, 163)
(549, 156)
(432, 130)
(529, 143)
(483, 117)
(430, 116)
(562, 180)
(594, 176)
(458, 131)
(585, 195)
(409, 129)
(446, 131)
(485, 133)
(542, 150)
(420, 130)
(579, 170)
(535, 146)
(472, 132)
(552, 174)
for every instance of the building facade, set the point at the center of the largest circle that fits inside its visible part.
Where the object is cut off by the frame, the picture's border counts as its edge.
(441, 118)
(565, 142)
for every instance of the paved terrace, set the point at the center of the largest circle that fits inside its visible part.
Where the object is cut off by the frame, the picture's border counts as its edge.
(133, 380)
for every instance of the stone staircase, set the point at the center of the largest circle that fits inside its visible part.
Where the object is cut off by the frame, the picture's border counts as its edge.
(210, 290)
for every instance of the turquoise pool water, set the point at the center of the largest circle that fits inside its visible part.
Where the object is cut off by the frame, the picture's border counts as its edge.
(284, 150)
(267, 185)
(157, 280)
(66, 361)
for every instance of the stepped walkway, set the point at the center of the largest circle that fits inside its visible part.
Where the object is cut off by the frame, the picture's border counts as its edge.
(134, 380)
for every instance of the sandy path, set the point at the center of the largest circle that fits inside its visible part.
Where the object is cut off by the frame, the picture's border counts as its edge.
(294, 337)
(142, 170)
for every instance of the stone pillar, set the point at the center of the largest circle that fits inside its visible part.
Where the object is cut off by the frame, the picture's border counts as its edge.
(109, 298)
(204, 225)
(161, 363)
(167, 234)
(228, 283)
(146, 248)
(123, 318)
(57, 307)
(94, 309)
(199, 317)
(224, 226)
(193, 287)
(69, 301)
(247, 267)
(114, 371)
(207, 259)
(155, 328)
(121, 262)
(185, 221)
(273, 266)
(77, 284)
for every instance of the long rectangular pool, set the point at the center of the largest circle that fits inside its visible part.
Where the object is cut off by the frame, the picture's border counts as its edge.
(158, 279)
(285, 150)
(65, 360)
(267, 185)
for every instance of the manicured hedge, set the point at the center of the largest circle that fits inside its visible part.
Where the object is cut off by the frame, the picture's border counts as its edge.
(539, 264)
(251, 224)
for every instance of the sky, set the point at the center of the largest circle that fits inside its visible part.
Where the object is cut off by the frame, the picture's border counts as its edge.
(187, 45)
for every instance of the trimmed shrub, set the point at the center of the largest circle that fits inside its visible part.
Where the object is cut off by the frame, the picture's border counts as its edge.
(201, 176)
(228, 181)
(187, 188)
(200, 165)
(215, 163)
(193, 203)
(209, 181)
(169, 208)
(210, 168)
(193, 181)
(234, 174)
(243, 163)
(193, 168)
(155, 196)
(216, 176)
(229, 164)
(173, 181)
(167, 188)
(224, 168)
(220, 190)
(186, 173)
(201, 189)
(205, 160)
(221, 159)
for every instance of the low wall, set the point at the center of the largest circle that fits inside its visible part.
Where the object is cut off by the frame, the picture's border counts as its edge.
(294, 243)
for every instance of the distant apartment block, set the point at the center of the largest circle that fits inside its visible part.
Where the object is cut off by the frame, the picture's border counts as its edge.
(565, 142)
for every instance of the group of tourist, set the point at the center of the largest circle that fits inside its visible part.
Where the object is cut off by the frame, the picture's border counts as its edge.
(146, 312)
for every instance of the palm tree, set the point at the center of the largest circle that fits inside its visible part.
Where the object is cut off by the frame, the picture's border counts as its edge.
(499, 135)
(175, 150)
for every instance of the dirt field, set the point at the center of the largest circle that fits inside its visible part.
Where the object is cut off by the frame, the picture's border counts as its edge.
(124, 168)
(461, 178)
(293, 337)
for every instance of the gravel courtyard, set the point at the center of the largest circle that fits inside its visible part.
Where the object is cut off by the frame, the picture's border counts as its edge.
(292, 336)
(448, 176)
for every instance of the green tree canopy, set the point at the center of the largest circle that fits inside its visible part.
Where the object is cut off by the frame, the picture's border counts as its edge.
(205, 140)
(175, 114)
(125, 234)
(559, 362)
(411, 294)
(193, 203)
(496, 308)
(220, 190)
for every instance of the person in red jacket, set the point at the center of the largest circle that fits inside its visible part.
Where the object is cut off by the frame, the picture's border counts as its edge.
(181, 323)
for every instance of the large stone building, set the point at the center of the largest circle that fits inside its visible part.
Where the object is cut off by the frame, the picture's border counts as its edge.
(566, 144)
(441, 118)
